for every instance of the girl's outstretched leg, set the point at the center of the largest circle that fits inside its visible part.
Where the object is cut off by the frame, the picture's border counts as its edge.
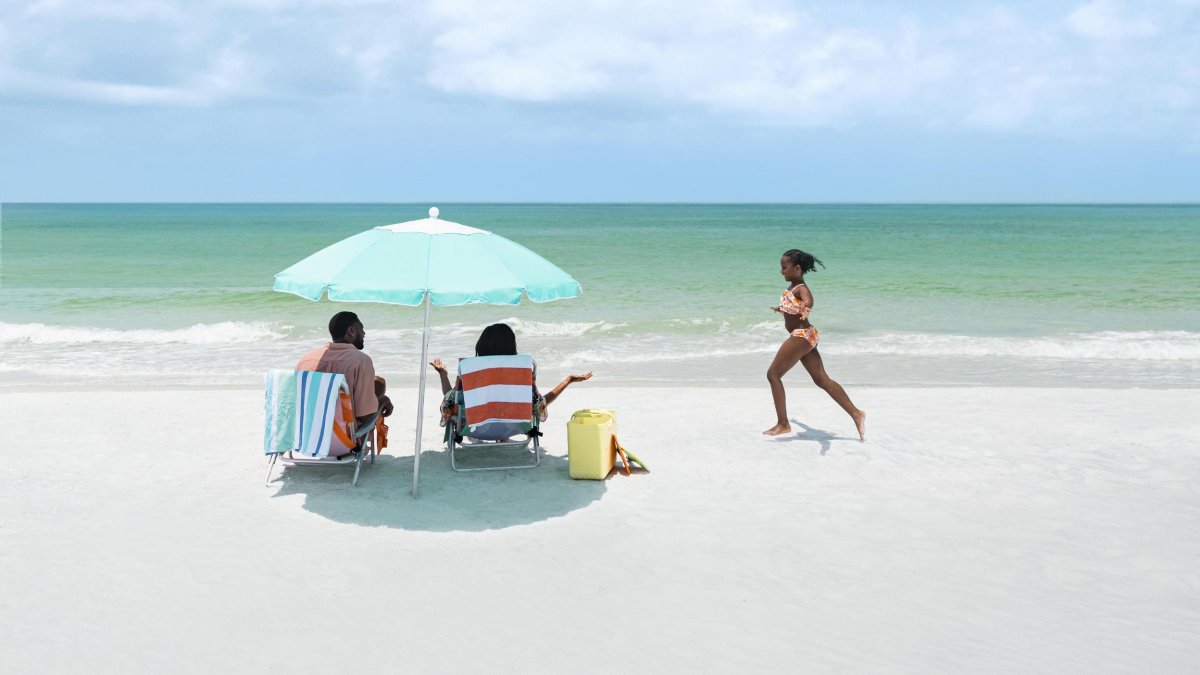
(790, 352)
(816, 368)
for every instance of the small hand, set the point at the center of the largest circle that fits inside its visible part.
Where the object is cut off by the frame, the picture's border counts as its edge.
(803, 313)
(438, 365)
(777, 310)
(385, 404)
(580, 378)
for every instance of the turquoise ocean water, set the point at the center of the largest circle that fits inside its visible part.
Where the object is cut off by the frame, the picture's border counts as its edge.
(180, 294)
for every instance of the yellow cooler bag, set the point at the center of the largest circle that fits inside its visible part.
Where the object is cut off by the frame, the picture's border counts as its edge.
(590, 449)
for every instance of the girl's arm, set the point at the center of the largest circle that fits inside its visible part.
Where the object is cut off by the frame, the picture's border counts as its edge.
(554, 393)
(806, 300)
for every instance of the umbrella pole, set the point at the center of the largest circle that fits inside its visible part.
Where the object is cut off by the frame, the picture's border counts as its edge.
(421, 398)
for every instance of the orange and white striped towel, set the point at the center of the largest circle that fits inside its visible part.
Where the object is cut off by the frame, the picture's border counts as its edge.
(497, 389)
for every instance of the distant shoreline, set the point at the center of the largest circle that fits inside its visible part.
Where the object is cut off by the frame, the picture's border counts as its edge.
(440, 203)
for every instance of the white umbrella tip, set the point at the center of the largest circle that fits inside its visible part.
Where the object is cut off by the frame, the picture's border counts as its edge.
(433, 212)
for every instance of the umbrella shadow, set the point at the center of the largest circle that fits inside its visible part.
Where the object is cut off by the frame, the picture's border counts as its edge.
(821, 436)
(448, 501)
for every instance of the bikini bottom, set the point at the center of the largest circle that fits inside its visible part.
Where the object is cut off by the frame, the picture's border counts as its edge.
(810, 334)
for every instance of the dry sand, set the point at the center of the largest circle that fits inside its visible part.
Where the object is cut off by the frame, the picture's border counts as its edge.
(977, 530)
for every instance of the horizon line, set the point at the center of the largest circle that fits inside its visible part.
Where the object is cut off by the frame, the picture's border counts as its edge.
(430, 203)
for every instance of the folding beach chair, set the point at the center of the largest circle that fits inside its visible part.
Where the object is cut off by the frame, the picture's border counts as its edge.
(493, 405)
(308, 416)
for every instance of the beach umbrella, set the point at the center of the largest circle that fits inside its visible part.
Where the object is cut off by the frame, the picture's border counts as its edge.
(430, 262)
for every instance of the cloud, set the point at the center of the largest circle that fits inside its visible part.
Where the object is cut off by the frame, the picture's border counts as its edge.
(162, 53)
(1061, 69)
(1104, 20)
(119, 10)
(765, 62)
(225, 73)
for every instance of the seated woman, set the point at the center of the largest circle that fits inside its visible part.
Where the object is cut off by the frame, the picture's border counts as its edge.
(498, 339)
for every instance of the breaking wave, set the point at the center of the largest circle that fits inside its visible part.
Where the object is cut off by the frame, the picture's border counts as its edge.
(1106, 345)
(199, 334)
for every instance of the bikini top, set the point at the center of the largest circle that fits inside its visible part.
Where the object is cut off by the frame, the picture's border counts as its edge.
(788, 304)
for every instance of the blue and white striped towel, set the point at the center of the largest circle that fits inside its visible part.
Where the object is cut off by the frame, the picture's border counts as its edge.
(301, 409)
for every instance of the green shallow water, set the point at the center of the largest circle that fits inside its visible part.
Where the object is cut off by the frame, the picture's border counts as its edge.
(955, 281)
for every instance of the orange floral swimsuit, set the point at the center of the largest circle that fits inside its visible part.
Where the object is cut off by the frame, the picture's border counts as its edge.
(788, 304)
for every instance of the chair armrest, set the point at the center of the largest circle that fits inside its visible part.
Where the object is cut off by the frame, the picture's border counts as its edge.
(366, 427)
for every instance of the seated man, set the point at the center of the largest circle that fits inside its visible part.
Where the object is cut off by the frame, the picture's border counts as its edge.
(344, 355)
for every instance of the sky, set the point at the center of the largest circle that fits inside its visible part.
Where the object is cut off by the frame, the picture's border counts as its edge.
(600, 101)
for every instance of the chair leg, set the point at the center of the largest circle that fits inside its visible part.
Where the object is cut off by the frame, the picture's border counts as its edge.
(271, 467)
(357, 466)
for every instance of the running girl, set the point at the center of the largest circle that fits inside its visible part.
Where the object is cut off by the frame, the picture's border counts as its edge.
(801, 345)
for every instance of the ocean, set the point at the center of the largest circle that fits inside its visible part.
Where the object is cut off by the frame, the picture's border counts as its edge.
(910, 296)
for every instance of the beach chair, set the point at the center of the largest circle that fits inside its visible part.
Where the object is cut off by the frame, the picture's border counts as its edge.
(308, 416)
(493, 405)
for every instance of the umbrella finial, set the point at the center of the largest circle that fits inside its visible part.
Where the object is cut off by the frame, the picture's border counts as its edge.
(433, 212)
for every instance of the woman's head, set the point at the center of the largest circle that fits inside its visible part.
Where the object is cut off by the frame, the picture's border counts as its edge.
(796, 263)
(496, 340)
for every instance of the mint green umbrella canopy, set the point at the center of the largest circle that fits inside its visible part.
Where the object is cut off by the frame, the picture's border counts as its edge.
(430, 262)
(453, 264)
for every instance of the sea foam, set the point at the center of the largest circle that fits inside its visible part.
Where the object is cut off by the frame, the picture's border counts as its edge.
(199, 334)
(1106, 345)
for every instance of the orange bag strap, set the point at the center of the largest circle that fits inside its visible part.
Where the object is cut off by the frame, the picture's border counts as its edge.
(342, 431)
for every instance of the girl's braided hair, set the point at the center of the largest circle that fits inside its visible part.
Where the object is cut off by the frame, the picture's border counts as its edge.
(806, 261)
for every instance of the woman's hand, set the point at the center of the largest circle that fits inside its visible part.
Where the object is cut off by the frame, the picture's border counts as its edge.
(555, 392)
(443, 375)
(777, 309)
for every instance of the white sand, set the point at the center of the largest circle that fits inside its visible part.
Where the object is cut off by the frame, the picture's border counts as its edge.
(978, 530)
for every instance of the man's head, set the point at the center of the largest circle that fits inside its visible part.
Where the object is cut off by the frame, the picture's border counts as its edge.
(345, 327)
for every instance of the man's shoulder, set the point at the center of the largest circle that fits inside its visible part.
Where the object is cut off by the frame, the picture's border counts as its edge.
(312, 358)
(353, 355)
(317, 351)
(334, 358)
(364, 359)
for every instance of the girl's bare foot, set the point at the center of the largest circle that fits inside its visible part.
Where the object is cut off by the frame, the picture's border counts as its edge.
(860, 422)
(778, 429)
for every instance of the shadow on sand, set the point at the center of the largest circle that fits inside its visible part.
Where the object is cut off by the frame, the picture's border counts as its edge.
(824, 438)
(447, 501)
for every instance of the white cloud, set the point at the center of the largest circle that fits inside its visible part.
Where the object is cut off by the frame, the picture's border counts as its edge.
(160, 53)
(1105, 20)
(120, 10)
(748, 62)
(765, 62)
(225, 79)
(762, 59)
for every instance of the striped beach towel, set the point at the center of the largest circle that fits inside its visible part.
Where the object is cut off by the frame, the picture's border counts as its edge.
(306, 412)
(497, 389)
